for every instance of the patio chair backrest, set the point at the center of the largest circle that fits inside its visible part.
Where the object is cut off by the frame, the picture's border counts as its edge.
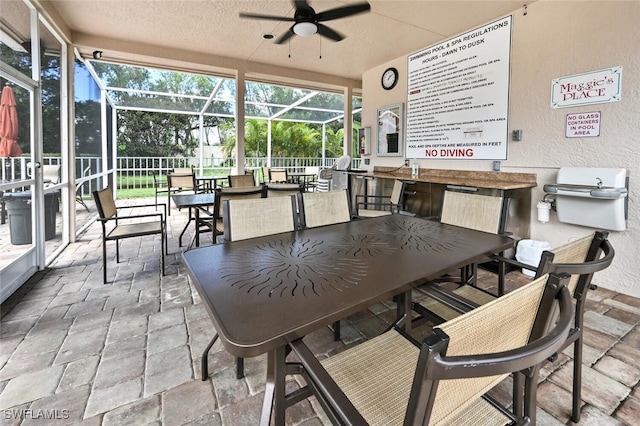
(184, 179)
(324, 208)
(507, 323)
(396, 192)
(223, 194)
(575, 257)
(242, 181)
(105, 203)
(250, 218)
(284, 189)
(278, 176)
(182, 170)
(474, 211)
(51, 173)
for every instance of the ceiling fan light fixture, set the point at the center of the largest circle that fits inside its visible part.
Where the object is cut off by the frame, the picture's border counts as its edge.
(305, 29)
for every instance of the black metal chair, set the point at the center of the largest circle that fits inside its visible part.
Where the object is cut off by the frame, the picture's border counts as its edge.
(391, 379)
(135, 225)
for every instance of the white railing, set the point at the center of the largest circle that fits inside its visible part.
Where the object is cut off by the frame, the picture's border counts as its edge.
(137, 172)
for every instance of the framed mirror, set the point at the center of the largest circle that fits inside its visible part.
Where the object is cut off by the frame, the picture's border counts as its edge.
(389, 131)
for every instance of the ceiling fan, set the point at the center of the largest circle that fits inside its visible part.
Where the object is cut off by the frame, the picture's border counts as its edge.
(307, 22)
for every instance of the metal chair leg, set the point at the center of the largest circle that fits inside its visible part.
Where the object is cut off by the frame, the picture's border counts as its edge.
(239, 368)
(577, 380)
(204, 363)
(104, 261)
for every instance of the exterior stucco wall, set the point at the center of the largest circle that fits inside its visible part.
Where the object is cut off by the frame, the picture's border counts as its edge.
(556, 39)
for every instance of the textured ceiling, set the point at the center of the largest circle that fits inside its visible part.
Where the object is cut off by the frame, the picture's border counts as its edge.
(393, 28)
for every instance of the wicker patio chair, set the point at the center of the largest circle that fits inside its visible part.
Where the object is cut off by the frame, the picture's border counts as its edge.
(392, 380)
(580, 259)
(135, 225)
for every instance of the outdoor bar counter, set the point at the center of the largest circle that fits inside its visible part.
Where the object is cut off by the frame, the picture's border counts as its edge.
(469, 178)
(423, 194)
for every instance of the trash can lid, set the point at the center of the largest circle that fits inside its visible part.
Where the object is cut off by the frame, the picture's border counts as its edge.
(19, 194)
(26, 194)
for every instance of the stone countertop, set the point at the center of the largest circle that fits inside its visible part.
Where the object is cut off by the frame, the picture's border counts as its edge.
(471, 178)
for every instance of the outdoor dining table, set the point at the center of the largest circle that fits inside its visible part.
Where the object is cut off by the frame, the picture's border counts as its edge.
(195, 203)
(305, 178)
(265, 292)
(210, 183)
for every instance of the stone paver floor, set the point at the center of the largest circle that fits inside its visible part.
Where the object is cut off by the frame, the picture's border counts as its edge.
(76, 351)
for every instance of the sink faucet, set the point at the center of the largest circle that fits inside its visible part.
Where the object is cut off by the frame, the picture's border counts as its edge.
(599, 182)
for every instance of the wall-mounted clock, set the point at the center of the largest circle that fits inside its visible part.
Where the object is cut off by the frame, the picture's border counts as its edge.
(389, 78)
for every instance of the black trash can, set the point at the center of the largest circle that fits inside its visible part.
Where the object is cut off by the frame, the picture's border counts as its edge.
(19, 212)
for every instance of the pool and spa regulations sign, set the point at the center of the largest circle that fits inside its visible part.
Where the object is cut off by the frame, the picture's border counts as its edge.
(458, 96)
(593, 87)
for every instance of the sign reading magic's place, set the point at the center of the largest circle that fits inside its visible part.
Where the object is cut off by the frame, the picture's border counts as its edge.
(458, 96)
(593, 87)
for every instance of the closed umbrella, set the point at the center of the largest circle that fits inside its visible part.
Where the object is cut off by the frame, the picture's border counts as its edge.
(8, 124)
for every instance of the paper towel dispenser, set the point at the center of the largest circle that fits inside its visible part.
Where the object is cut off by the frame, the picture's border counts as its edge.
(591, 196)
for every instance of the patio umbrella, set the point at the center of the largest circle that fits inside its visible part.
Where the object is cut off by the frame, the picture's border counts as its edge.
(8, 124)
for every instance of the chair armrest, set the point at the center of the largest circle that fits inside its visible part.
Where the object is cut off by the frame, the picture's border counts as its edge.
(478, 365)
(376, 200)
(164, 206)
(513, 262)
(135, 216)
(366, 197)
(325, 388)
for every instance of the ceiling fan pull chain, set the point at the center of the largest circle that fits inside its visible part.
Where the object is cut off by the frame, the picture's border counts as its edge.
(320, 47)
(289, 49)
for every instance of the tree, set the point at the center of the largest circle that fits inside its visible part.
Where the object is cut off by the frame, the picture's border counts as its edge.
(148, 133)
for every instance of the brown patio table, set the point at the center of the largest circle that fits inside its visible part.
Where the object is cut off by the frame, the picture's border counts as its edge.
(265, 292)
(195, 203)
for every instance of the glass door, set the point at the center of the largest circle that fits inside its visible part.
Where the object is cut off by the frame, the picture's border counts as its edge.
(33, 171)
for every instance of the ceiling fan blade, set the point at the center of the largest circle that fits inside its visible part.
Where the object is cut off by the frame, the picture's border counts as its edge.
(323, 30)
(301, 5)
(268, 17)
(342, 12)
(286, 36)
